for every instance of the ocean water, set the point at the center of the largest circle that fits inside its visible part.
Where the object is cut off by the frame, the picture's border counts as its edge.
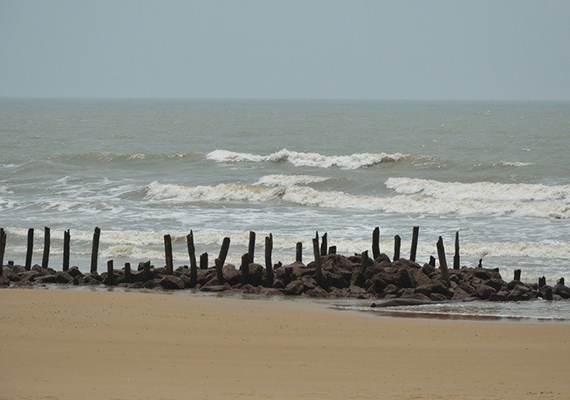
(497, 172)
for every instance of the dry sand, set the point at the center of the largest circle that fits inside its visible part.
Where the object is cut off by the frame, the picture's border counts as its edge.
(64, 344)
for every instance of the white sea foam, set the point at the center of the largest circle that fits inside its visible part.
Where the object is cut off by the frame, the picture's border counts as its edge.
(300, 159)
(485, 191)
(289, 180)
(401, 204)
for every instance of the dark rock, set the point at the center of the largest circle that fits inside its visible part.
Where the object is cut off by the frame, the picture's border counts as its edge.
(374, 269)
(357, 279)
(4, 282)
(334, 280)
(30, 276)
(520, 293)
(428, 269)
(206, 275)
(561, 290)
(484, 292)
(278, 284)
(151, 284)
(356, 290)
(511, 285)
(215, 288)
(309, 282)
(294, 288)
(317, 292)
(437, 297)
(418, 277)
(499, 296)
(459, 294)
(432, 287)
(497, 284)
(63, 277)
(231, 274)
(171, 282)
(255, 274)
(45, 279)
(74, 272)
(420, 296)
(10, 275)
(391, 289)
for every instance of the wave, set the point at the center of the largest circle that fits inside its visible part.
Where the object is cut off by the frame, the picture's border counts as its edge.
(289, 180)
(107, 157)
(300, 159)
(485, 191)
(455, 204)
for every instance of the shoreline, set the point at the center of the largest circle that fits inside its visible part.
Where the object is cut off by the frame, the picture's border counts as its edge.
(65, 344)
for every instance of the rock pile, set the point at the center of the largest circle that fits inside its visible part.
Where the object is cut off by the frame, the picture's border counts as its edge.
(341, 277)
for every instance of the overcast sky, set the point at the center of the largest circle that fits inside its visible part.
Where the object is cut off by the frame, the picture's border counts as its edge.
(286, 49)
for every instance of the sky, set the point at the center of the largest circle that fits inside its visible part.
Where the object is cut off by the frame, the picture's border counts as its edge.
(290, 49)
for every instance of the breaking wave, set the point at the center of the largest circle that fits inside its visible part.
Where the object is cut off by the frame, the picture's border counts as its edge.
(300, 159)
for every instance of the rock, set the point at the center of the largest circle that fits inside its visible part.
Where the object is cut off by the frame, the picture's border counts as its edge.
(561, 290)
(520, 293)
(334, 280)
(356, 290)
(484, 291)
(294, 288)
(432, 287)
(74, 272)
(46, 279)
(437, 297)
(419, 278)
(215, 288)
(391, 289)
(63, 277)
(375, 269)
(255, 274)
(499, 296)
(459, 294)
(357, 279)
(231, 274)
(171, 282)
(497, 284)
(317, 292)
(4, 282)
(278, 284)
(309, 282)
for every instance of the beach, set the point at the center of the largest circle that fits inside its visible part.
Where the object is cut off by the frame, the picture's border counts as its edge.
(68, 344)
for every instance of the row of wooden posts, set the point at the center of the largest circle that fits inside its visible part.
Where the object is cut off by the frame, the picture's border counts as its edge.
(319, 250)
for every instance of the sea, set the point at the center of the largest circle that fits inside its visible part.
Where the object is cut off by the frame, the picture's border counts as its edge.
(498, 173)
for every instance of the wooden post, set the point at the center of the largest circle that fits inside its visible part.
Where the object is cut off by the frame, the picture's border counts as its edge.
(319, 272)
(432, 261)
(456, 260)
(541, 282)
(204, 261)
(268, 262)
(245, 269)
(128, 272)
(442, 260)
(332, 249)
(2, 249)
(414, 249)
(219, 271)
(191, 250)
(193, 275)
(364, 261)
(376, 243)
(168, 254)
(397, 243)
(110, 273)
(324, 245)
(251, 247)
(224, 250)
(47, 240)
(95, 249)
(30, 249)
(146, 271)
(66, 246)
(517, 276)
(560, 281)
(299, 252)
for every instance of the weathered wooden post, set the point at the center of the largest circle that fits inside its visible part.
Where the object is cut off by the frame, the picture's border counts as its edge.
(332, 249)
(2, 249)
(244, 268)
(431, 261)
(191, 250)
(364, 262)
(324, 245)
(319, 272)
(442, 260)
(224, 250)
(110, 273)
(251, 247)
(128, 272)
(95, 249)
(517, 276)
(541, 282)
(560, 281)
(376, 243)
(193, 275)
(168, 255)
(204, 261)
(456, 260)
(268, 262)
(47, 240)
(146, 271)
(30, 249)
(299, 252)
(66, 247)
(414, 249)
(397, 244)
(219, 271)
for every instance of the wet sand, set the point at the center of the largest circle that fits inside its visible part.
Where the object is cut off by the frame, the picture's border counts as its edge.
(65, 344)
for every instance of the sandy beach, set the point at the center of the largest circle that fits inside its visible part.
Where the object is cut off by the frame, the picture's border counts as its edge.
(65, 344)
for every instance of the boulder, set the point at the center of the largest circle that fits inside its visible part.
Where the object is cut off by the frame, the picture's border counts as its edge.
(520, 293)
(317, 292)
(561, 290)
(484, 292)
(294, 288)
(499, 296)
(231, 274)
(63, 277)
(432, 287)
(171, 282)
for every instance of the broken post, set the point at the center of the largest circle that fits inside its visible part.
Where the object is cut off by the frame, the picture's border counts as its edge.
(332, 249)
(324, 245)
(244, 268)
(168, 254)
(146, 271)
(364, 262)
(30, 249)
(251, 247)
(224, 250)
(47, 239)
(456, 260)
(442, 260)
(66, 246)
(204, 261)
(95, 249)
(319, 272)
(191, 250)
(2, 249)
(268, 262)
(299, 252)
(517, 276)
(376, 243)
(397, 244)
(110, 273)
(414, 249)
(219, 271)
(128, 272)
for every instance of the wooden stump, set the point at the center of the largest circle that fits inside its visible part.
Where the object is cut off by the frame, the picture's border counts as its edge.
(110, 273)
(299, 252)
(268, 262)
(517, 276)
(376, 243)
(224, 250)
(95, 249)
(415, 235)
(332, 249)
(146, 271)
(244, 268)
(442, 260)
(2, 249)
(128, 272)
(324, 245)
(319, 272)
(364, 262)
(251, 247)
(30, 249)
(191, 250)
(219, 271)
(397, 244)
(47, 242)
(66, 247)
(168, 255)
(456, 260)
(204, 261)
